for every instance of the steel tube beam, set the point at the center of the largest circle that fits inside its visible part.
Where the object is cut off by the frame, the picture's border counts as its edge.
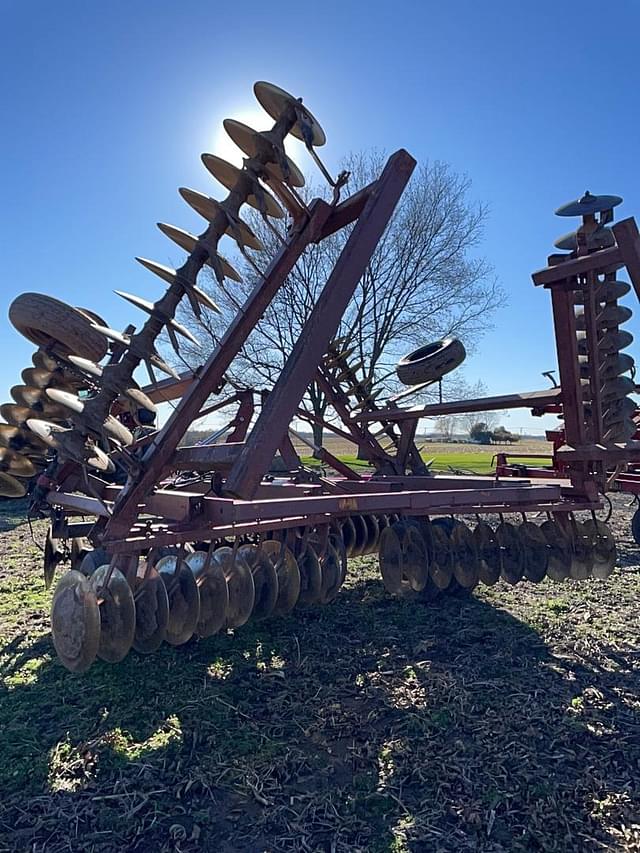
(528, 399)
(212, 374)
(325, 316)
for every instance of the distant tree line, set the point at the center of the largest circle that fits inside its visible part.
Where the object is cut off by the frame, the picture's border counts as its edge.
(482, 433)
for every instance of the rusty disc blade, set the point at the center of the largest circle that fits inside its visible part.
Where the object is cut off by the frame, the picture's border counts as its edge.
(488, 552)
(188, 242)
(430, 591)
(152, 612)
(286, 567)
(622, 431)
(335, 539)
(51, 557)
(415, 559)
(16, 415)
(616, 389)
(373, 534)
(48, 407)
(611, 342)
(536, 552)
(362, 534)
(240, 584)
(383, 521)
(10, 487)
(214, 595)
(184, 599)
(173, 277)
(250, 141)
(559, 550)
(21, 440)
(331, 574)
(619, 410)
(44, 361)
(581, 552)
(310, 576)
(117, 613)
(601, 238)
(92, 560)
(607, 291)
(512, 552)
(348, 533)
(603, 546)
(265, 580)
(209, 209)
(275, 101)
(16, 464)
(610, 317)
(441, 566)
(37, 377)
(589, 204)
(80, 547)
(29, 395)
(390, 560)
(228, 175)
(466, 568)
(610, 367)
(150, 308)
(75, 622)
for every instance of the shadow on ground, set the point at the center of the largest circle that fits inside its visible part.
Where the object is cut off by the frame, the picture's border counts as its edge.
(12, 513)
(372, 724)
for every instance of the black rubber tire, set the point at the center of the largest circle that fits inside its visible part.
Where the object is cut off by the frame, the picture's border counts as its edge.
(431, 361)
(57, 326)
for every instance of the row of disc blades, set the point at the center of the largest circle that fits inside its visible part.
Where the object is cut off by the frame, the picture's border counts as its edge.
(608, 366)
(54, 391)
(52, 406)
(446, 554)
(31, 418)
(99, 610)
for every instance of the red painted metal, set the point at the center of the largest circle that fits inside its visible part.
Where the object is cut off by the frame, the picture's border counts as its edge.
(242, 495)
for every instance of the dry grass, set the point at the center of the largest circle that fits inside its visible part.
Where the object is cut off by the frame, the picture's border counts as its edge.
(339, 447)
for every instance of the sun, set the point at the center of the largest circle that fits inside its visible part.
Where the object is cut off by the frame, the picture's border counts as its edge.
(257, 119)
(223, 145)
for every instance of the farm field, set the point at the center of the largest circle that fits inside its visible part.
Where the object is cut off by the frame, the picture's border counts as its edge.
(445, 456)
(504, 721)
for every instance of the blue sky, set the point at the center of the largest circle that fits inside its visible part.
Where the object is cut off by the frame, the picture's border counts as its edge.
(106, 108)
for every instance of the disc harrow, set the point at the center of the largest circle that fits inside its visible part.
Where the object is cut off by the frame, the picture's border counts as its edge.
(162, 542)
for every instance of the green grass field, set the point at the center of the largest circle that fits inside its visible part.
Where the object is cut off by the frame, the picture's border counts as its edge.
(478, 462)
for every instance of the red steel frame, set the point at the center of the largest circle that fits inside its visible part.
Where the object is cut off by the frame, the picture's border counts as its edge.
(239, 500)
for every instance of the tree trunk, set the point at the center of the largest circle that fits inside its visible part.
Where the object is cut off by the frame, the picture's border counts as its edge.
(317, 435)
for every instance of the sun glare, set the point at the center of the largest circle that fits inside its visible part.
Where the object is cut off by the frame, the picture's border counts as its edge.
(223, 144)
(258, 119)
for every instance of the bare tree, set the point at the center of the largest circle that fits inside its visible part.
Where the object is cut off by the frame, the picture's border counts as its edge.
(489, 418)
(423, 282)
(445, 427)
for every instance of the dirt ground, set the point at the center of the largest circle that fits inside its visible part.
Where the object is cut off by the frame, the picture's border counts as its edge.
(505, 721)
